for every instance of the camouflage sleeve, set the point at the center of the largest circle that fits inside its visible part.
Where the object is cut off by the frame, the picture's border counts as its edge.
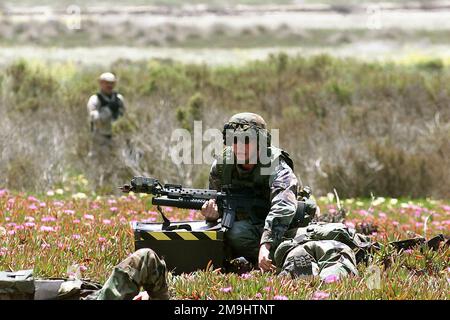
(214, 177)
(283, 195)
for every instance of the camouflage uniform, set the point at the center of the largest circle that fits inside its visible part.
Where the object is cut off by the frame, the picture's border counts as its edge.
(322, 249)
(250, 231)
(103, 111)
(278, 186)
(143, 268)
(322, 258)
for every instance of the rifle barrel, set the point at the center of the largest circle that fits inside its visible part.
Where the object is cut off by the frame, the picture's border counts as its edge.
(182, 203)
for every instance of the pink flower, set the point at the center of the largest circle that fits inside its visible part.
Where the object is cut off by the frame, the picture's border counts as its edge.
(76, 236)
(258, 295)
(76, 221)
(29, 219)
(95, 206)
(47, 229)
(267, 289)
(69, 212)
(153, 213)
(88, 216)
(446, 208)
(48, 219)
(83, 268)
(382, 215)
(277, 297)
(168, 209)
(363, 213)
(106, 221)
(29, 224)
(11, 225)
(12, 232)
(32, 207)
(111, 201)
(151, 219)
(246, 276)
(3, 192)
(60, 245)
(45, 246)
(58, 203)
(3, 251)
(42, 204)
(7, 219)
(408, 251)
(331, 278)
(320, 295)
(19, 227)
(101, 239)
(350, 225)
(227, 289)
(123, 220)
(113, 209)
(33, 199)
(395, 223)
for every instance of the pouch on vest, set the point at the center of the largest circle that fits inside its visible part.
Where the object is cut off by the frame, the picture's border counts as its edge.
(113, 104)
(17, 285)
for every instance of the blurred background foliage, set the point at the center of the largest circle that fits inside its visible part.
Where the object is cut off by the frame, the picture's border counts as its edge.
(360, 127)
(355, 126)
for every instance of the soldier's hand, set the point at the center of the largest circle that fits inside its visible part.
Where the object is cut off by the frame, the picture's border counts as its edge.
(264, 262)
(210, 210)
(143, 295)
(94, 115)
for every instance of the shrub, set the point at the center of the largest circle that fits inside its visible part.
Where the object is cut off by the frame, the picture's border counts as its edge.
(360, 127)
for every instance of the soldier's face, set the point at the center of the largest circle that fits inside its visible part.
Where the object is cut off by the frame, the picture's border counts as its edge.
(245, 152)
(107, 87)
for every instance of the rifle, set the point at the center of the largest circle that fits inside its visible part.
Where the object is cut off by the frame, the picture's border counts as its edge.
(229, 200)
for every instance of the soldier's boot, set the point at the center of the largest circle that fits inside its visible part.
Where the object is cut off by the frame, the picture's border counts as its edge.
(298, 263)
(239, 265)
(161, 294)
(435, 242)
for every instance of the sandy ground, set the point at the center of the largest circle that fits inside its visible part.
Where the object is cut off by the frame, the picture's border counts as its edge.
(379, 51)
(372, 18)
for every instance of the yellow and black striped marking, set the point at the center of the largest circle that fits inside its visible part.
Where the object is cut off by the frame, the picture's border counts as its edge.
(181, 235)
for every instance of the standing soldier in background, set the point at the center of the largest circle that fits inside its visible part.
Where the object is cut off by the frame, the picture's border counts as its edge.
(104, 108)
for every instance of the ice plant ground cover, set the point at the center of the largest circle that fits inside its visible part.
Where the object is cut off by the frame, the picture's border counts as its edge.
(57, 234)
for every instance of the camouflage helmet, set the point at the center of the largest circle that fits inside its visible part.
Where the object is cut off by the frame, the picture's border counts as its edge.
(282, 250)
(248, 118)
(246, 122)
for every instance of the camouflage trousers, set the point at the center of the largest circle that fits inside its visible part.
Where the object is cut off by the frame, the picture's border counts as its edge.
(143, 269)
(320, 258)
(102, 156)
(243, 239)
